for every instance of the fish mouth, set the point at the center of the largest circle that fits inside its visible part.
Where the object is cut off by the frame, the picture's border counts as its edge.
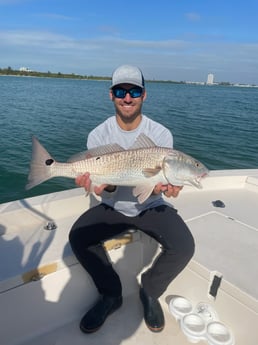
(197, 180)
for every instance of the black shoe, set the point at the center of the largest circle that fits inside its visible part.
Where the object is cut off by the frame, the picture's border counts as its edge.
(153, 314)
(97, 315)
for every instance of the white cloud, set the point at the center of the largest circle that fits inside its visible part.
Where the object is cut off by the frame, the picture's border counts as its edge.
(169, 59)
(193, 17)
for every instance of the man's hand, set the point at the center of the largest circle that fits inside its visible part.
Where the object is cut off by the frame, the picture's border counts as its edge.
(85, 181)
(168, 190)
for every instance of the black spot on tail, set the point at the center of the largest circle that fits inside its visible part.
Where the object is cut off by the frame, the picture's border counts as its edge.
(49, 161)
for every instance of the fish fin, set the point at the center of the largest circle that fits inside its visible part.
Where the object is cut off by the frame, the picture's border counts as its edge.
(142, 192)
(150, 172)
(40, 166)
(79, 157)
(142, 141)
(96, 151)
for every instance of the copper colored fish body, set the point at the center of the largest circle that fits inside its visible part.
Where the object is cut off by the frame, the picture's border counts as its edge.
(142, 166)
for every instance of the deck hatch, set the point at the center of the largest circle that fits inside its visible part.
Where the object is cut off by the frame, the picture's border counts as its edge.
(226, 245)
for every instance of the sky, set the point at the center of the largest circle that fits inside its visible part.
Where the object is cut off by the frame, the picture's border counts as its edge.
(181, 40)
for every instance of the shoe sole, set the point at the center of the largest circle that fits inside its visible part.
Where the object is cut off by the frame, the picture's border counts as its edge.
(155, 330)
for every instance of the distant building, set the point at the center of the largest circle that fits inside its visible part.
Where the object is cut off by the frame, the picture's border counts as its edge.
(210, 79)
(25, 69)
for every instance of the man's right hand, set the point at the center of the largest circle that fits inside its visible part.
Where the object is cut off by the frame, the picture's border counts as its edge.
(85, 181)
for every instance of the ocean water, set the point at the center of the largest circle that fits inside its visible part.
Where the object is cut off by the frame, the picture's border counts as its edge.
(216, 124)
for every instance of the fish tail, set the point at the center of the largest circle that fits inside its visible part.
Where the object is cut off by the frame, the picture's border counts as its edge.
(40, 166)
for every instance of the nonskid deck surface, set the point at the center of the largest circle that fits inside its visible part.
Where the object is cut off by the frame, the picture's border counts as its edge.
(125, 326)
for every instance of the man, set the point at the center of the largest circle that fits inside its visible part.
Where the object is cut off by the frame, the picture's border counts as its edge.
(120, 211)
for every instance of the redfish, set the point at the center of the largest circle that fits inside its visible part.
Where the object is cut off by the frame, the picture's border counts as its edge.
(142, 166)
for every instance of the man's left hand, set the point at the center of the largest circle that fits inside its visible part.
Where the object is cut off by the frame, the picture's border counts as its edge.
(168, 190)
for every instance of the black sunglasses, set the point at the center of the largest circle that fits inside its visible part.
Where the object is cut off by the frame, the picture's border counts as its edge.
(134, 92)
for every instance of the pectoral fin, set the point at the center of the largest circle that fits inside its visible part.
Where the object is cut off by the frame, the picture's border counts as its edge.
(142, 192)
(150, 172)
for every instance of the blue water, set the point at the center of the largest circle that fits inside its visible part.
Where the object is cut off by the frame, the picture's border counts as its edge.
(216, 124)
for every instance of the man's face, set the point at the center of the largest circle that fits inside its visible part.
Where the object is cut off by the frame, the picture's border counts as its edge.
(128, 108)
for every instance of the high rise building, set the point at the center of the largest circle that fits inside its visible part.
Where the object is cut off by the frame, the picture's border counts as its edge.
(210, 79)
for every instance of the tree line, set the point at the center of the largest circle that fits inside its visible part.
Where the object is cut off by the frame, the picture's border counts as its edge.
(25, 73)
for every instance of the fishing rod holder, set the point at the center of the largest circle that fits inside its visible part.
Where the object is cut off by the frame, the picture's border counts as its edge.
(51, 225)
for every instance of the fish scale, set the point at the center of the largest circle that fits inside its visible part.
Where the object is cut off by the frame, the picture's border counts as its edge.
(126, 167)
(121, 168)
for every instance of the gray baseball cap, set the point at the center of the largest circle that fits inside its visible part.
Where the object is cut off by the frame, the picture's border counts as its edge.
(127, 74)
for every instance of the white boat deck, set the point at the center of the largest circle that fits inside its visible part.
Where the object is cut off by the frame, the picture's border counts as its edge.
(226, 237)
(47, 311)
(126, 326)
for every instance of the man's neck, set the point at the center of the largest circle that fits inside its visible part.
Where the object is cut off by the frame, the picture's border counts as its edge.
(129, 124)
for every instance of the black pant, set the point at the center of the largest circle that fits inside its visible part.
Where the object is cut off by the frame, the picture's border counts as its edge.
(102, 222)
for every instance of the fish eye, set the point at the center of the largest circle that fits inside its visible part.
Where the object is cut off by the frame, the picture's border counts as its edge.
(197, 164)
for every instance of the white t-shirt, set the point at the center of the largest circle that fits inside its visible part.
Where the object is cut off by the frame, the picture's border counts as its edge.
(109, 132)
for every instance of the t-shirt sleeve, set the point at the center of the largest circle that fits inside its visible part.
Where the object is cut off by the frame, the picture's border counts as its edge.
(94, 139)
(165, 138)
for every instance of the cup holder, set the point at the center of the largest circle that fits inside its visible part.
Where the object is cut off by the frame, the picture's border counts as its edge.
(200, 323)
(218, 334)
(193, 327)
(180, 306)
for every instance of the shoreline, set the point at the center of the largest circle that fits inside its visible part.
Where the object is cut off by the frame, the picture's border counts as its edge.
(97, 78)
(9, 72)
